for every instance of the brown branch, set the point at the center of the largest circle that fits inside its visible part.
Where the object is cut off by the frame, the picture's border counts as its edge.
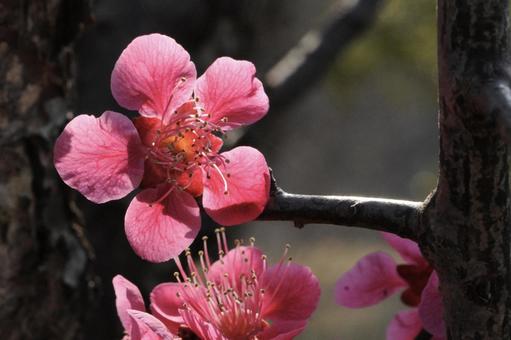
(309, 60)
(396, 216)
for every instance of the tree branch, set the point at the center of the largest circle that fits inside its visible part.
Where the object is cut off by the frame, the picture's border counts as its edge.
(396, 216)
(306, 63)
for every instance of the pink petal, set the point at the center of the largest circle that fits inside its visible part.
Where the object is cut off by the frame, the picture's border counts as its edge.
(248, 185)
(153, 75)
(192, 184)
(230, 89)
(283, 330)
(165, 304)
(102, 158)
(431, 308)
(159, 231)
(371, 280)
(408, 249)
(237, 262)
(291, 292)
(127, 296)
(147, 327)
(405, 325)
(199, 326)
(147, 129)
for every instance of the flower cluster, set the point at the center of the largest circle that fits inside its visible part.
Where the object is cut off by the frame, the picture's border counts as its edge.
(237, 297)
(172, 150)
(376, 277)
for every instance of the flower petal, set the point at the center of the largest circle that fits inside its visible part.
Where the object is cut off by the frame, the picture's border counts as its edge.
(192, 184)
(154, 175)
(283, 330)
(158, 231)
(431, 309)
(165, 304)
(147, 129)
(127, 296)
(153, 75)
(237, 262)
(102, 158)
(230, 89)
(200, 327)
(291, 292)
(371, 280)
(248, 186)
(405, 325)
(408, 249)
(147, 327)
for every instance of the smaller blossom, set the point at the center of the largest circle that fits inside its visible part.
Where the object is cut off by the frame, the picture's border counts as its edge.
(239, 296)
(377, 276)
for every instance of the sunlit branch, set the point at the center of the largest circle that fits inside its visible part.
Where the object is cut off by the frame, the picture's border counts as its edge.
(396, 216)
(307, 62)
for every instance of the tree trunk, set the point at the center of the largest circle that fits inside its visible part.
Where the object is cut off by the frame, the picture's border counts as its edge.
(45, 277)
(465, 230)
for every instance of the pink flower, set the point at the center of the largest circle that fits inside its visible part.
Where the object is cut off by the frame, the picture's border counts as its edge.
(172, 150)
(237, 297)
(376, 277)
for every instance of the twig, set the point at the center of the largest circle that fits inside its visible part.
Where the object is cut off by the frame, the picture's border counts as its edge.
(396, 216)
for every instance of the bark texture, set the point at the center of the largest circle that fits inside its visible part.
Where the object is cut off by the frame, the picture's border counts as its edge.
(45, 279)
(465, 230)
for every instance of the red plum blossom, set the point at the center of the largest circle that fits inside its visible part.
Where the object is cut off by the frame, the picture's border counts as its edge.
(237, 297)
(377, 276)
(172, 150)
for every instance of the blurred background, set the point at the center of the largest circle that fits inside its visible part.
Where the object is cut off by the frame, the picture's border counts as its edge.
(365, 124)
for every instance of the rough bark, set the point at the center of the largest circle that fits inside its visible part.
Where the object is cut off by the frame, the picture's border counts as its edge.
(45, 278)
(466, 225)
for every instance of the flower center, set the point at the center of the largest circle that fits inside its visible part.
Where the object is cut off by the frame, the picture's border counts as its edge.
(230, 301)
(178, 149)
